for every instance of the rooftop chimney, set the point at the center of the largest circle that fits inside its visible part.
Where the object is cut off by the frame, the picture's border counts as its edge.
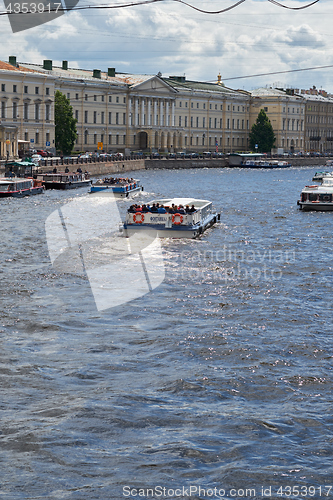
(97, 73)
(111, 71)
(12, 61)
(65, 65)
(47, 64)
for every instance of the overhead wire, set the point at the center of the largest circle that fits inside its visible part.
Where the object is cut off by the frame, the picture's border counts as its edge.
(146, 2)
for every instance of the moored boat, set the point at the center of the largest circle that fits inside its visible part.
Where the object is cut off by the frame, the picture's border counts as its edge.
(317, 197)
(266, 164)
(64, 180)
(118, 186)
(318, 176)
(172, 217)
(18, 187)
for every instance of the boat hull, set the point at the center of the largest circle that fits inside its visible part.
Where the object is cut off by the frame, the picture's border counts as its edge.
(66, 185)
(179, 231)
(116, 192)
(319, 207)
(22, 192)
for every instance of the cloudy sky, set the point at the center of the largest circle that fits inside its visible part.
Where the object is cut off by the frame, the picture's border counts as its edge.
(169, 37)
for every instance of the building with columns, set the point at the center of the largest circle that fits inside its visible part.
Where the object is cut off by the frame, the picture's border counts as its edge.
(125, 112)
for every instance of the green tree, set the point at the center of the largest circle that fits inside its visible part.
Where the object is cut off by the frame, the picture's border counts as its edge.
(65, 123)
(262, 134)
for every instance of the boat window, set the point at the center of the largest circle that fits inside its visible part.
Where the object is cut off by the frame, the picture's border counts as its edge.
(326, 197)
(312, 196)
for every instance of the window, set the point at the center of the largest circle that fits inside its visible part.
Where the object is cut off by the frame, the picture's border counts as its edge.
(86, 136)
(210, 106)
(215, 122)
(110, 116)
(117, 99)
(203, 122)
(197, 121)
(86, 117)
(185, 121)
(76, 115)
(14, 110)
(117, 139)
(36, 111)
(95, 99)
(95, 138)
(180, 121)
(47, 137)
(191, 104)
(36, 90)
(191, 121)
(102, 138)
(26, 136)
(14, 88)
(215, 106)
(102, 118)
(110, 139)
(204, 106)
(3, 87)
(37, 138)
(26, 111)
(68, 95)
(102, 98)
(77, 97)
(124, 119)
(197, 105)
(25, 89)
(180, 104)
(86, 97)
(265, 109)
(110, 98)
(124, 103)
(95, 117)
(47, 112)
(186, 104)
(117, 118)
(47, 91)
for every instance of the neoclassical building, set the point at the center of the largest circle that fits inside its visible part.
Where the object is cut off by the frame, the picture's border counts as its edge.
(125, 112)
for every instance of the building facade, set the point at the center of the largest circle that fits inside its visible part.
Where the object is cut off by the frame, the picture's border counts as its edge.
(124, 112)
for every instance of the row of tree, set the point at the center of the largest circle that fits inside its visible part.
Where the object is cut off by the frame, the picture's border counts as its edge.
(262, 136)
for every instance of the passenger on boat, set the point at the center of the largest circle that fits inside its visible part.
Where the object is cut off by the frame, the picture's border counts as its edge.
(181, 210)
(55, 170)
(154, 208)
(144, 208)
(187, 209)
(66, 170)
(161, 210)
(131, 209)
(192, 209)
(79, 170)
(138, 208)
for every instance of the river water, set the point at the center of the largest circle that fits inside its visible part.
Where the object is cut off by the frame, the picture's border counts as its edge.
(215, 384)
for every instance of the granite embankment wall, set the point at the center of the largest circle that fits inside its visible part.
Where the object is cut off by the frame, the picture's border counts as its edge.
(222, 162)
(122, 166)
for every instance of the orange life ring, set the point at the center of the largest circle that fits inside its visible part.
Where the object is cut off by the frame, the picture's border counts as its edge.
(181, 218)
(139, 221)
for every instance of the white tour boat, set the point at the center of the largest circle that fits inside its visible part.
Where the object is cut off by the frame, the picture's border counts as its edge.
(18, 187)
(317, 197)
(173, 218)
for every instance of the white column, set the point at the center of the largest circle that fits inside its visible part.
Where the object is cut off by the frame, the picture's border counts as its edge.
(155, 113)
(136, 111)
(142, 112)
(149, 112)
(173, 114)
(167, 114)
(161, 113)
(130, 118)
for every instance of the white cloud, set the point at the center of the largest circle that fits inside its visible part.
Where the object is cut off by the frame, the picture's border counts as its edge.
(256, 37)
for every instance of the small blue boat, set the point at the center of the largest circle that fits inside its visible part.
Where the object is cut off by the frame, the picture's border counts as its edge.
(119, 186)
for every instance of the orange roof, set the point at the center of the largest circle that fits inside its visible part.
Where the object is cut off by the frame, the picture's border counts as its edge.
(10, 67)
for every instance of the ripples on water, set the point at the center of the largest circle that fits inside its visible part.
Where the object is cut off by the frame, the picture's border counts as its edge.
(221, 377)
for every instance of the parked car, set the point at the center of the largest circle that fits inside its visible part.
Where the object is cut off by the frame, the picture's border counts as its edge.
(36, 158)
